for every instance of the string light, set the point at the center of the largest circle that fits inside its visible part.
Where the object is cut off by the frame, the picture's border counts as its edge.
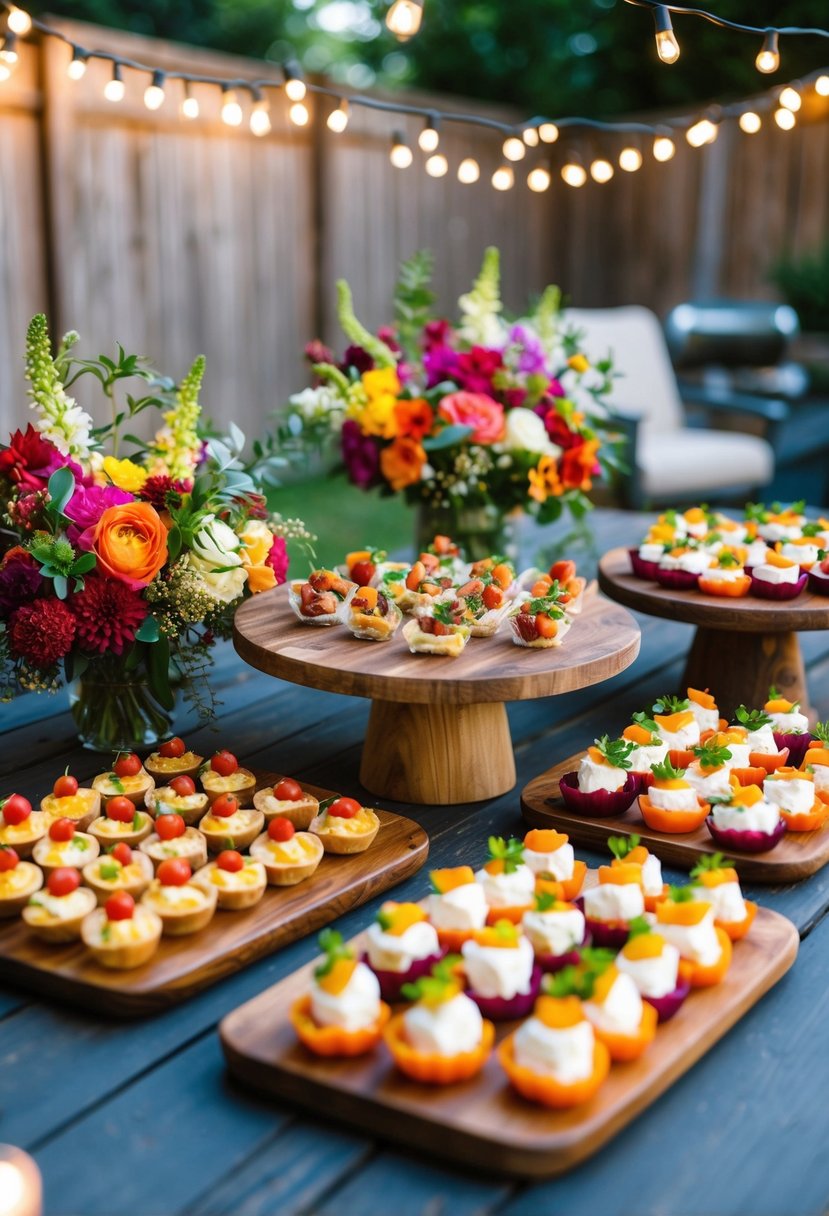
(539, 179)
(530, 136)
(514, 148)
(469, 171)
(19, 21)
(404, 18)
(299, 114)
(77, 64)
(337, 120)
(601, 171)
(702, 132)
(115, 89)
(790, 98)
(548, 132)
(8, 52)
(231, 110)
(189, 106)
(260, 119)
(784, 118)
(664, 148)
(503, 178)
(768, 57)
(5, 72)
(295, 86)
(822, 86)
(154, 93)
(437, 165)
(667, 47)
(750, 122)
(401, 155)
(429, 137)
(630, 159)
(573, 174)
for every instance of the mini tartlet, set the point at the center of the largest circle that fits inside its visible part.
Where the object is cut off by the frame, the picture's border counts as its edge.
(777, 578)
(457, 905)
(672, 804)
(433, 635)
(222, 775)
(344, 826)
(508, 882)
(226, 821)
(371, 615)
(610, 907)
(549, 854)
(55, 914)
(556, 931)
(63, 845)
(173, 838)
(792, 791)
(503, 977)
(81, 805)
(173, 759)
(18, 882)
(121, 821)
(287, 800)
(288, 856)
(318, 600)
(603, 784)
(240, 882)
(342, 1015)
(21, 827)
(704, 948)
(540, 623)
(613, 1004)
(180, 799)
(182, 906)
(554, 1058)
(648, 748)
(122, 869)
(126, 779)
(122, 935)
(628, 851)
(789, 724)
(745, 822)
(400, 947)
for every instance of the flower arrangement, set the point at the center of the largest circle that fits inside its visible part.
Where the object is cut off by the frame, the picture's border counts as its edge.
(485, 413)
(128, 565)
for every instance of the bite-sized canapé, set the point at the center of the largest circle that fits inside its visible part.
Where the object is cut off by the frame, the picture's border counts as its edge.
(502, 975)
(287, 800)
(64, 845)
(319, 599)
(121, 821)
(508, 882)
(746, 821)
(777, 577)
(457, 905)
(610, 907)
(18, 881)
(118, 868)
(227, 824)
(629, 850)
(180, 797)
(549, 853)
(345, 826)
(55, 913)
(126, 779)
(173, 759)
(240, 882)
(371, 615)
(69, 800)
(342, 1014)
(603, 784)
(790, 725)
(224, 775)
(613, 1004)
(183, 906)
(652, 963)
(122, 934)
(672, 803)
(21, 827)
(792, 791)
(401, 946)
(287, 856)
(688, 923)
(715, 883)
(173, 838)
(439, 631)
(649, 747)
(540, 623)
(556, 931)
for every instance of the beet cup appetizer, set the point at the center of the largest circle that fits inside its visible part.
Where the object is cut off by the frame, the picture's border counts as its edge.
(715, 883)
(556, 930)
(614, 903)
(653, 965)
(401, 946)
(503, 978)
(777, 578)
(790, 726)
(603, 784)
(745, 822)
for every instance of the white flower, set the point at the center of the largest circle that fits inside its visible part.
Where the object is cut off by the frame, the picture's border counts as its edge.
(216, 545)
(318, 404)
(63, 422)
(526, 431)
(222, 585)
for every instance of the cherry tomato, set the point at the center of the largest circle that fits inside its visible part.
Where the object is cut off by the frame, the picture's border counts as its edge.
(281, 829)
(345, 808)
(183, 786)
(121, 808)
(362, 573)
(231, 861)
(63, 881)
(174, 872)
(120, 906)
(123, 853)
(8, 859)
(288, 790)
(545, 626)
(16, 809)
(224, 763)
(127, 765)
(62, 829)
(173, 749)
(65, 786)
(225, 806)
(493, 597)
(170, 826)
(563, 571)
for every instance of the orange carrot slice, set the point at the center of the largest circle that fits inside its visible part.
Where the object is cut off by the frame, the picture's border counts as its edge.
(624, 1047)
(808, 821)
(333, 1040)
(545, 1089)
(430, 1067)
(735, 589)
(676, 823)
(737, 929)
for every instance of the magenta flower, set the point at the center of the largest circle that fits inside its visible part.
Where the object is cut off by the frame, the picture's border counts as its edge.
(277, 559)
(87, 505)
(20, 581)
(531, 358)
(477, 367)
(361, 455)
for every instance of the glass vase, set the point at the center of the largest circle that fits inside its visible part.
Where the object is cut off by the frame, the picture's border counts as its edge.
(481, 529)
(114, 709)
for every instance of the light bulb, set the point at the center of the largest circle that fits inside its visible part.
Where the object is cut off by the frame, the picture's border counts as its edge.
(8, 53)
(401, 155)
(750, 122)
(630, 159)
(338, 119)
(295, 87)
(663, 148)
(702, 132)
(437, 165)
(231, 110)
(503, 178)
(404, 18)
(189, 106)
(469, 171)
(154, 93)
(5, 73)
(114, 89)
(429, 137)
(77, 65)
(573, 174)
(601, 171)
(822, 86)
(784, 118)
(260, 119)
(514, 148)
(790, 98)
(548, 132)
(667, 47)
(530, 136)
(768, 57)
(19, 22)
(539, 179)
(299, 114)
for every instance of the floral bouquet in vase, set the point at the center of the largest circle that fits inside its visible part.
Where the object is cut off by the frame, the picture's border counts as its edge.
(119, 571)
(471, 421)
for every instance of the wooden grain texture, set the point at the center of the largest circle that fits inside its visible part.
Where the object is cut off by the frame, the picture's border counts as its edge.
(744, 666)
(183, 966)
(483, 1122)
(798, 854)
(603, 641)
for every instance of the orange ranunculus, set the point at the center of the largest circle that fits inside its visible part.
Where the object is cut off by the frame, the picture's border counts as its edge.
(544, 480)
(414, 418)
(130, 543)
(477, 410)
(578, 465)
(401, 463)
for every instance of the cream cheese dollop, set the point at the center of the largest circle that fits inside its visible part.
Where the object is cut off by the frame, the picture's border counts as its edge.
(462, 908)
(593, 777)
(356, 1007)
(795, 795)
(504, 971)
(614, 901)
(397, 952)
(763, 816)
(656, 976)
(565, 1054)
(447, 1028)
(698, 942)
(621, 1010)
(503, 890)
(554, 932)
(560, 863)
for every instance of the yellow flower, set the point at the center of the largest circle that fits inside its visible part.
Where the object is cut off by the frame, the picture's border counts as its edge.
(378, 417)
(257, 540)
(578, 363)
(544, 480)
(380, 381)
(125, 474)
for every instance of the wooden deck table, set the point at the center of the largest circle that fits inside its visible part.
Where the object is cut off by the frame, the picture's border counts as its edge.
(139, 1118)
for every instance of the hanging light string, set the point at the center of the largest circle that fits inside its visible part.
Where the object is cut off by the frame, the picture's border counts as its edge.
(682, 10)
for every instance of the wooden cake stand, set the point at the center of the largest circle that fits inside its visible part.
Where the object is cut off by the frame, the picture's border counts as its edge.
(741, 646)
(438, 730)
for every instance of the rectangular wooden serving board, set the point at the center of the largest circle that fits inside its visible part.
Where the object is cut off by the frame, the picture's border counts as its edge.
(798, 854)
(483, 1122)
(184, 966)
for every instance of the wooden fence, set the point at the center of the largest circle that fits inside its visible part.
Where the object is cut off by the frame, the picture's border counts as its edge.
(176, 237)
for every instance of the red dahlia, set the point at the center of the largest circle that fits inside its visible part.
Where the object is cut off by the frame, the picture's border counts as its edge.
(163, 492)
(43, 632)
(108, 613)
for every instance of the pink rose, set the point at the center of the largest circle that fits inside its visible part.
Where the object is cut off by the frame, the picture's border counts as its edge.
(277, 559)
(476, 410)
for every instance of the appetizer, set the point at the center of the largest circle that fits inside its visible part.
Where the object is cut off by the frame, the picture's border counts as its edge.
(55, 913)
(819, 573)
(288, 856)
(556, 931)
(603, 784)
(18, 881)
(122, 934)
(777, 578)
(789, 724)
(127, 779)
(370, 615)
(710, 771)
(715, 883)
(550, 854)
(502, 975)
(240, 882)
(401, 946)
(680, 567)
(792, 791)
(726, 576)
(173, 838)
(222, 775)
(479, 603)
(21, 827)
(745, 821)
(676, 723)
(672, 803)
(227, 821)
(688, 924)
(441, 633)
(173, 759)
(759, 728)
(508, 882)
(319, 600)
(648, 749)
(120, 869)
(614, 903)
(69, 801)
(817, 759)
(612, 1003)
(704, 708)
(343, 1014)
(628, 850)
(180, 797)
(64, 846)
(457, 906)
(361, 566)
(183, 906)
(121, 821)
(344, 826)
(288, 800)
(540, 623)
(554, 1058)
(652, 963)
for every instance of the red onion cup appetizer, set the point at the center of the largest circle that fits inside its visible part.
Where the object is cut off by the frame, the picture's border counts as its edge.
(601, 804)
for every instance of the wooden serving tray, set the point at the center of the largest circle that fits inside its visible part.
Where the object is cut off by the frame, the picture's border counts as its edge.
(183, 966)
(484, 1122)
(798, 854)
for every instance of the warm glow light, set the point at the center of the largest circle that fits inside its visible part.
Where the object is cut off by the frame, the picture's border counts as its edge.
(401, 155)
(784, 118)
(260, 119)
(822, 86)
(189, 107)
(404, 18)
(503, 178)
(514, 148)
(539, 179)
(630, 159)
(295, 88)
(601, 171)
(548, 132)
(429, 137)
(77, 65)
(768, 57)
(702, 132)
(5, 73)
(664, 148)
(667, 47)
(231, 110)
(154, 93)
(750, 122)
(437, 165)
(299, 115)
(19, 22)
(469, 171)
(8, 54)
(338, 119)
(114, 89)
(530, 136)
(12, 1187)
(573, 174)
(791, 99)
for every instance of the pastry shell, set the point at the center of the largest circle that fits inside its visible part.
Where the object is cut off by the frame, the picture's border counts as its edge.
(11, 905)
(57, 930)
(232, 899)
(122, 956)
(38, 824)
(217, 841)
(243, 794)
(450, 644)
(181, 767)
(45, 844)
(194, 850)
(129, 836)
(134, 887)
(137, 796)
(93, 810)
(300, 813)
(190, 815)
(179, 922)
(286, 873)
(344, 843)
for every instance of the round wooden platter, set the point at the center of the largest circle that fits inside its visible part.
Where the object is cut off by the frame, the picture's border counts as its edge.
(438, 731)
(483, 1123)
(741, 646)
(798, 854)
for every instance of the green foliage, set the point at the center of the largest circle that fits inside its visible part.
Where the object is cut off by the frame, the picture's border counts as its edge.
(711, 755)
(620, 846)
(708, 863)
(666, 771)
(414, 300)
(671, 705)
(615, 751)
(752, 719)
(511, 852)
(804, 283)
(333, 948)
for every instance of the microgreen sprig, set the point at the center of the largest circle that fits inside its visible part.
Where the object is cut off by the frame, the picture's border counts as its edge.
(510, 852)
(615, 751)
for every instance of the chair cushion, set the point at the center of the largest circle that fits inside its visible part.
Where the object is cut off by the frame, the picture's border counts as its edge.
(701, 461)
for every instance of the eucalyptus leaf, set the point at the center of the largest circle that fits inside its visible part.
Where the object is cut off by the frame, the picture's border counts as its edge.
(61, 585)
(446, 438)
(148, 631)
(61, 487)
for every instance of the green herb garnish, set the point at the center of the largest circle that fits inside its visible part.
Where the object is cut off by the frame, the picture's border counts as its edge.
(136, 821)
(711, 755)
(436, 987)
(545, 901)
(109, 870)
(681, 895)
(666, 771)
(671, 705)
(331, 943)
(647, 723)
(707, 863)
(579, 980)
(639, 926)
(615, 751)
(510, 852)
(752, 719)
(620, 846)
(821, 731)
(728, 560)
